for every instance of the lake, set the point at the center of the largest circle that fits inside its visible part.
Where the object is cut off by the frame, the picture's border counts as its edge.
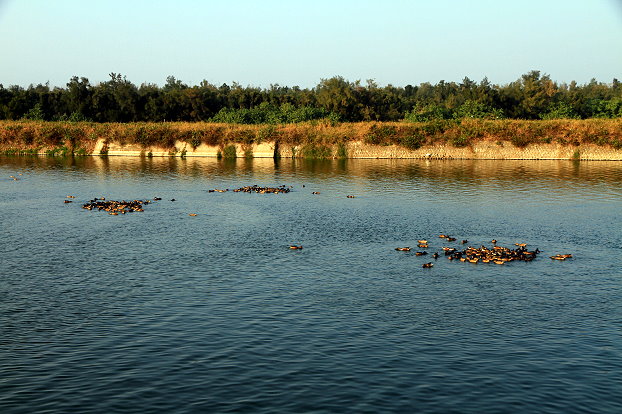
(160, 311)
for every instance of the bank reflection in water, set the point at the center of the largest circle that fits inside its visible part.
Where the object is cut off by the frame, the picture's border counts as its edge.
(367, 175)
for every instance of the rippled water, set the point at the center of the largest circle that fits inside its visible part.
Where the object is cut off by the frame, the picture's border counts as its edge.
(159, 311)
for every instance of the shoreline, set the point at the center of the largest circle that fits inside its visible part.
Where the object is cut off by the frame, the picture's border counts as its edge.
(483, 150)
(593, 139)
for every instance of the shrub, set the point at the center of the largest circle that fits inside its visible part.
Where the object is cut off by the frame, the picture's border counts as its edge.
(478, 110)
(520, 140)
(427, 113)
(35, 113)
(313, 151)
(342, 151)
(413, 142)
(229, 151)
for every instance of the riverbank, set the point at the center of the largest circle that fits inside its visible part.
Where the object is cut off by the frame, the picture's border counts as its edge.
(592, 139)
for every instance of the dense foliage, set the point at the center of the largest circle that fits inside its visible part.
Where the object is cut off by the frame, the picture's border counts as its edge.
(532, 96)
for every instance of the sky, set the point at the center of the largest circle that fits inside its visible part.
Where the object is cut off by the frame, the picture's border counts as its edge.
(289, 42)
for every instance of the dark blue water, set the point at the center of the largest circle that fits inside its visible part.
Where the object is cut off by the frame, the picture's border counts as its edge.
(163, 312)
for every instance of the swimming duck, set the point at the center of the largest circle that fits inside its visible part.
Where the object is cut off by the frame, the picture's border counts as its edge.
(421, 253)
(192, 215)
(402, 249)
(294, 247)
(427, 265)
(561, 256)
(422, 241)
(435, 255)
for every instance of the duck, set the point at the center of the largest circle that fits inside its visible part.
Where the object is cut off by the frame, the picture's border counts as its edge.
(421, 253)
(403, 249)
(435, 255)
(464, 241)
(70, 196)
(451, 239)
(422, 241)
(561, 256)
(315, 192)
(423, 245)
(350, 196)
(68, 201)
(493, 241)
(427, 265)
(192, 215)
(294, 247)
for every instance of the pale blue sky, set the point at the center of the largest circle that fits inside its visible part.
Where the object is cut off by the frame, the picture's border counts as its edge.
(299, 42)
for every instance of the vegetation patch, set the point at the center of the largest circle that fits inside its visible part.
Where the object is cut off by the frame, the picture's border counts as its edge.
(316, 151)
(229, 151)
(313, 139)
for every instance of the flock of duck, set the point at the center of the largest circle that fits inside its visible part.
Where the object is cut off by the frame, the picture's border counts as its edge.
(114, 207)
(495, 254)
(257, 189)
(263, 190)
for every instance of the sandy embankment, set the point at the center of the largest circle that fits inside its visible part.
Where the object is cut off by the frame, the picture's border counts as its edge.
(357, 149)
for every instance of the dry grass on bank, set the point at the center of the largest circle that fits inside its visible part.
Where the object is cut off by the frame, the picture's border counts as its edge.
(81, 137)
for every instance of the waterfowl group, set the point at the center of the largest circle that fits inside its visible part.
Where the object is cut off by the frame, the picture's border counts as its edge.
(495, 254)
(115, 207)
(262, 190)
(498, 254)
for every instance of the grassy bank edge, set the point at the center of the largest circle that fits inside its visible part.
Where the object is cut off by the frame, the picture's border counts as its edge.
(314, 139)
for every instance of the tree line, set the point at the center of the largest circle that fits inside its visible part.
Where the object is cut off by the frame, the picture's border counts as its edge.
(533, 96)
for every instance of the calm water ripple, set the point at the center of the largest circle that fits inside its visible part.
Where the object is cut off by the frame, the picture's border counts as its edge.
(162, 312)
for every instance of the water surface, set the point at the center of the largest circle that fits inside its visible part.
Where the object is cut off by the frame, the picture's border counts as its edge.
(160, 311)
